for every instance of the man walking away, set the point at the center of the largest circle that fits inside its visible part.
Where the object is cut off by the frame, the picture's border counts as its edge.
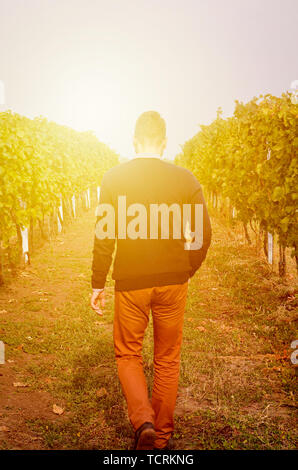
(151, 273)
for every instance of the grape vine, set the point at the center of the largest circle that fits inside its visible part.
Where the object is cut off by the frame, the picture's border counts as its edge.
(42, 163)
(250, 159)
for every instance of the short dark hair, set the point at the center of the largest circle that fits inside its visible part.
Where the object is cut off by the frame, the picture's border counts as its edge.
(150, 126)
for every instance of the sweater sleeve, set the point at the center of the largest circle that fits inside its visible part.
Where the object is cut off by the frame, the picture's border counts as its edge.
(103, 248)
(197, 256)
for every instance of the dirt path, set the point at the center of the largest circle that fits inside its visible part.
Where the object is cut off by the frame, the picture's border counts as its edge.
(237, 383)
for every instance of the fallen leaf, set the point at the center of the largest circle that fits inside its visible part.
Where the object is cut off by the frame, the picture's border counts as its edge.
(101, 392)
(4, 429)
(58, 410)
(19, 384)
(3, 311)
(200, 328)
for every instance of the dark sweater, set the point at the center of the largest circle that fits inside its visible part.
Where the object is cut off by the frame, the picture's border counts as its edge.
(149, 262)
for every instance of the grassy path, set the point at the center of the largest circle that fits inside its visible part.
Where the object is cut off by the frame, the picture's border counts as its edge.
(237, 384)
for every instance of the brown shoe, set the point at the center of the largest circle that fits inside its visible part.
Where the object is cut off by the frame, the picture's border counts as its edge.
(169, 446)
(145, 437)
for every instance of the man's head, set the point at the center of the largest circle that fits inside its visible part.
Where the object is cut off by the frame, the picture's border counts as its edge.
(150, 133)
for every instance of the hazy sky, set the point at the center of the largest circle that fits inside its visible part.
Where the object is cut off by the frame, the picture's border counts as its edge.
(98, 64)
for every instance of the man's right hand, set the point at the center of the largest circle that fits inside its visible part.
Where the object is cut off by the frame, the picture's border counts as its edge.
(98, 298)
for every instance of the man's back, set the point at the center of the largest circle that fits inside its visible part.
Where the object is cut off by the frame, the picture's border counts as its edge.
(152, 202)
(153, 259)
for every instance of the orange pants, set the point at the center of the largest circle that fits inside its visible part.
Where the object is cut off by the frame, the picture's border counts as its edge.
(132, 309)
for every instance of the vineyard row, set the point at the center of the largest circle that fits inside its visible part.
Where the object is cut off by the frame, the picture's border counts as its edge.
(45, 170)
(250, 162)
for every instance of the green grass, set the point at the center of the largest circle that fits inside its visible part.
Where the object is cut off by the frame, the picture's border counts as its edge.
(236, 389)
